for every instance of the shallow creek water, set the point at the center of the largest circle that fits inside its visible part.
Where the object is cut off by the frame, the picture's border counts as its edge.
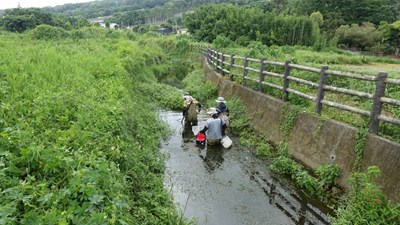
(217, 186)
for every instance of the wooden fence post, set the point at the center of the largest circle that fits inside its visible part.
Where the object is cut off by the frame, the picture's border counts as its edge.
(377, 105)
(246, 63)
(217, 62)
(232, 62)
(262, 75)
(321, 92)
(212, 58)
(222, 64)
(285, 95)
(209, 55)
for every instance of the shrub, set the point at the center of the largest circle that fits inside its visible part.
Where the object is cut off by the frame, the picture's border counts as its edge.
(47, 32)
(366, 204)
(356, 36)
(198, 87)
(222, 42)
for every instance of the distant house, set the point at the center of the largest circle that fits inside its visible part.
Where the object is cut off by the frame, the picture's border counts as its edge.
(112, 25)
(182, 31)
(164, 31)
(101, 23)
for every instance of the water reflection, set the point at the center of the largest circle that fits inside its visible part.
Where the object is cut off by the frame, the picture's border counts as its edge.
(296, 206)
(187, 133)
(213, 157)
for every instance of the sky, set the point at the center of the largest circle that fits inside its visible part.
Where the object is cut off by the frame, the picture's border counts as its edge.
(6, 4)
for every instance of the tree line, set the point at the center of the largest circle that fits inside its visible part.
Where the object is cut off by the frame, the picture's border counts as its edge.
(21, 19)
(242, 24)
(366, 25)
(134, 12)
(371, 25)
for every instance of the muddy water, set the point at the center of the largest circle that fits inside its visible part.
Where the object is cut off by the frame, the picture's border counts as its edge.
(217, 186)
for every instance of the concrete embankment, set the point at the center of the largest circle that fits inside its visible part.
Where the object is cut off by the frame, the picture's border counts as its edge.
(313, 141)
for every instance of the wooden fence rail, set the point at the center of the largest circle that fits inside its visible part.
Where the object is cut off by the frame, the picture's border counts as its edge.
(225, 64)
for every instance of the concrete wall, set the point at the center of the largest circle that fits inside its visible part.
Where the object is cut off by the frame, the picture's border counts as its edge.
(313, 141)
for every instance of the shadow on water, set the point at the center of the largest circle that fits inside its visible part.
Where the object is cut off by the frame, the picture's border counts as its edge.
(231, 186)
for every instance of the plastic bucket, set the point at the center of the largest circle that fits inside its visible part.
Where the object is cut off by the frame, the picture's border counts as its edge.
(226, 141)
(201, 139)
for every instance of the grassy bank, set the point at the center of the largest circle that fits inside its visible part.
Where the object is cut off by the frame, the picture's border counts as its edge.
(78, 138)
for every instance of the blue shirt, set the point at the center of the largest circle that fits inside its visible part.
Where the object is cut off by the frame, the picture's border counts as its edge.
(223, 108)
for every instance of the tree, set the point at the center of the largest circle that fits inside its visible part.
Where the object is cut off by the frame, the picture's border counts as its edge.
(244, 24)
(351, 11)
(332, 21)
(19, 19)
(359, 37)
(317, 17)
(391, 35)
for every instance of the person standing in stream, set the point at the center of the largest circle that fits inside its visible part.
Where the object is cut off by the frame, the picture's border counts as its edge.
(214, 128)
(221, 105)
(190, 105)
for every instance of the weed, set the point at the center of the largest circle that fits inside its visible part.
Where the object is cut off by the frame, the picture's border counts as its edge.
(287, 119)
(360, 137)
(327, 175)
(264, 149)
(366, 204)
(317, 131)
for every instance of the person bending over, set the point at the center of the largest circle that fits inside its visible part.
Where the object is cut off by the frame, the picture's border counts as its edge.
(214, 128)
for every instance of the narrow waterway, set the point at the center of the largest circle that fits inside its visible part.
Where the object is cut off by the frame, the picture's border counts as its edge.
(217, 186)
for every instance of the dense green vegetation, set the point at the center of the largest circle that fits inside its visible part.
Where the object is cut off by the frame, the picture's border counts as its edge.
(243, 25)
(79, 136)
(353, 24)
(327, 24)
(136, 12)
(19, 20)
(366, 204)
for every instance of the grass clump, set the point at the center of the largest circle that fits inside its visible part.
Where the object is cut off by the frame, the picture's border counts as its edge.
(200, 88)
(366, 204)
(47, 32)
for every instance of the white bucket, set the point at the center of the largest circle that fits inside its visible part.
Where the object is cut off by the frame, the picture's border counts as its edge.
(226, 141)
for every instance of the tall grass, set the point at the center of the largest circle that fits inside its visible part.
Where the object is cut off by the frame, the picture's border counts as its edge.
(366, 204)
(79, 142)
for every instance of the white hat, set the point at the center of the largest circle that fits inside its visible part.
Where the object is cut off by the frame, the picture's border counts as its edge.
(220, 99)
(186, 95)
(212, 111)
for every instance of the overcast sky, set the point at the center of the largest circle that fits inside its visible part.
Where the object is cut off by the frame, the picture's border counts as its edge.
(6, 4)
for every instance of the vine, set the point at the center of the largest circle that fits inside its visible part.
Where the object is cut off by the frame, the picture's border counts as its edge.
(360, 137)
(287, 119)
(317, 132)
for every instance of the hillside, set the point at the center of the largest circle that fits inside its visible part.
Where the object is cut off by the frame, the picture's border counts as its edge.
(101, 8)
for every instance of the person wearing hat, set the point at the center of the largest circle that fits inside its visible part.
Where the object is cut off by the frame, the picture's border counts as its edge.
(189, 109)
(221, 105)
(214, 128)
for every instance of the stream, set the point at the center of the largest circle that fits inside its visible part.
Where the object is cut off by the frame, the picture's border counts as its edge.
(217, 186)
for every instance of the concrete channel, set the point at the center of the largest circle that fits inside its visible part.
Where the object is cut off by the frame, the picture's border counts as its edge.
(217, 186)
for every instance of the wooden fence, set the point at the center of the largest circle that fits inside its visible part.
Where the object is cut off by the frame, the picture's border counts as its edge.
(226, 64)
